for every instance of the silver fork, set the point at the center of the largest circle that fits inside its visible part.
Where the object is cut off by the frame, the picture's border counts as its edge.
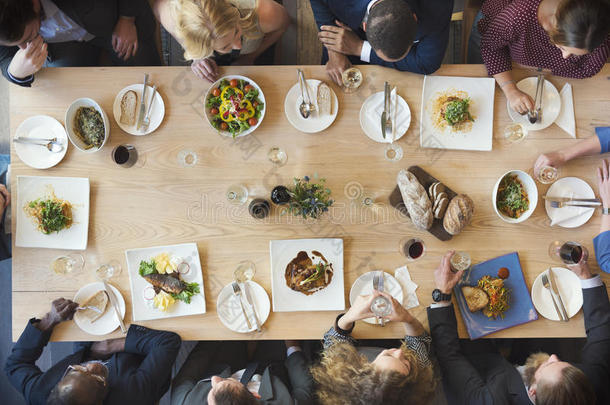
(547, 285)
(95, 309)
(378, 285)
(388, 118)
(561, 204)
(237, 293)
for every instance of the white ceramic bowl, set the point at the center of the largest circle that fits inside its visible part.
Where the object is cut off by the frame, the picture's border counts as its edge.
(261, 97)
(532, 195)
(71, 113)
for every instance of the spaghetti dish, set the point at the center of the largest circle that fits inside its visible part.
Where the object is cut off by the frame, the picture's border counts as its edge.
(498, 296)
(452, 109)
(50, 214)
(512, 198)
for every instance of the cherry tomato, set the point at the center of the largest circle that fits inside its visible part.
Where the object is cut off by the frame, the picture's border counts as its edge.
(213, 110)
(248, 88)
(255, 104)
(224, 126)
(216, 92)
(233, 83)
(252, 121)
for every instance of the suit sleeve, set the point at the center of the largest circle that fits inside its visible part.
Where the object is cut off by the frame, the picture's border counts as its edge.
(6, 56)
(322, 13)
(21, 368)
(300, 378)
(131, 8)
(596, 353)
(458, 373)
(159, 349)
(601, 243)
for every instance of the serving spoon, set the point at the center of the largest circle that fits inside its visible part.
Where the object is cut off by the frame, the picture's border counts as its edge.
(51, 144)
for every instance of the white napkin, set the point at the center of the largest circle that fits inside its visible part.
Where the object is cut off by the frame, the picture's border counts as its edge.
(565, 120)
(565, 214)
(403, 276)
(393, 108)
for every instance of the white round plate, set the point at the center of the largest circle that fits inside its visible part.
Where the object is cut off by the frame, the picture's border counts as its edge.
(571, 187)
(69, 120)
(370, 118)
(40, 127)
(551, 104)
(261, 97)
(157, 111)
(107, 322)
(568, 286)
(364, 286)
(229, 310)
(314, 123)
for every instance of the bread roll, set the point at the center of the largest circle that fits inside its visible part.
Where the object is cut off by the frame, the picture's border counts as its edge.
(98, 300)
(129, 102)
(459, 214)
(324, 99)
(416, 200)
(476, 298)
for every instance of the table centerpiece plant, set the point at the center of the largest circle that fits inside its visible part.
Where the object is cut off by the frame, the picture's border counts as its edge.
(309, 198)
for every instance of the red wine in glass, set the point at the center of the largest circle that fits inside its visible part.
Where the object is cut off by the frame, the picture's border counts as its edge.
(571, 252)
(125, 155)
(412, 248)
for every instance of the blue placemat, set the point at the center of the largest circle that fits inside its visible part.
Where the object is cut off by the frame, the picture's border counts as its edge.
(521, 309)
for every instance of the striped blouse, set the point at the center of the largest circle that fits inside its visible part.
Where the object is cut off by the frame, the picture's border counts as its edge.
(510, 31)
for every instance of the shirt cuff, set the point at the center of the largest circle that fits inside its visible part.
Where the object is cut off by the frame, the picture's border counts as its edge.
(441, 304)
(343, 331)
(20, 81)
(365, 53)
(593, 282)
(292, 349)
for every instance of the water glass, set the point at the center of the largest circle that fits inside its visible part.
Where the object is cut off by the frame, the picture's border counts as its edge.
(245, 271)
(515, 132)
(393, 152)
(187, 158)
(547, 174)
(460, 261)
(277, 156)
(237, 194)
(66, 264)
(108, 270)
(381, 307)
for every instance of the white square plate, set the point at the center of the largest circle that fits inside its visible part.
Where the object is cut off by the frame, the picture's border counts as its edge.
(72, 189)
(331, 298)
(143, 309)
(481, 93)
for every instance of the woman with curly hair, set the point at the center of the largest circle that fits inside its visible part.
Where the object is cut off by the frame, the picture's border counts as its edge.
(239, 30)
(347, 374)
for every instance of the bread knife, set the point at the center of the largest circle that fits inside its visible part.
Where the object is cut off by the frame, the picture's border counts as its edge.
(555, 290)
(115, 305)
(143, 102)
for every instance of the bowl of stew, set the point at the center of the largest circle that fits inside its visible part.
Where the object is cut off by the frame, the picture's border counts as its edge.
(515, 196)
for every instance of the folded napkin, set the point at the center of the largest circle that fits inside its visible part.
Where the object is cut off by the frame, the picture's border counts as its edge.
(565, 120)
(393, 108)
(561, 215)
(403, 276)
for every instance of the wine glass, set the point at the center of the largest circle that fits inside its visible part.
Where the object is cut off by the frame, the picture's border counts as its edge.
(277, 156)
(245, 271)
(381, 307)
(567, 252)
(515, 132)
(393, 152)
(187, 158)
(547, 174)
(68, 263)
(352, 79)
(237, 194)
(412, 248)
(108, 270)
(460, 261)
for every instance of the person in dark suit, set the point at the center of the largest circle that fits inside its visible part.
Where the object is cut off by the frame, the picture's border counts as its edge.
(54, 33)
(218, 373)
(477, 374)
(136, 370)
(408, 35)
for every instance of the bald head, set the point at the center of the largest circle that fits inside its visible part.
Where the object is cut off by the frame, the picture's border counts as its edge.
(82, 385)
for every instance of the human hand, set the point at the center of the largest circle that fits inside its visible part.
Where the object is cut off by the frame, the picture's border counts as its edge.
(553, 159)
(603, 183)
(29, 60)
(61, 310)
(340, 39)
(125, 37)
(205, 69)
(581, 269)
(361, 308)
(5, 198)
(102, 350)
(399, 313)
(444, 278)
(335, 66)
(518, 100)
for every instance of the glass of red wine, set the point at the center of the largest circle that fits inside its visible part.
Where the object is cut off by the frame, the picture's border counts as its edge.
(125, 155)
(412, 248)
(567, 252)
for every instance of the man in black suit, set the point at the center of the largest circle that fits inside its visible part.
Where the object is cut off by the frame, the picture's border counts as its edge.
(218, 373)
(137, 369)
(54, 33)
(483, 376)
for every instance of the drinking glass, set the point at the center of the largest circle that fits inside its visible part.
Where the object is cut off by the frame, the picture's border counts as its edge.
(237, 194)
(187, 158)
(125, 155)
(352, 79)
(393, 152)
(108, 270)
(567, 252)
(460, 261)
(277, 156)
(245, 271)
(547, 174)
(381, 307)
(515, 132)
(66, 264)
(412, 248)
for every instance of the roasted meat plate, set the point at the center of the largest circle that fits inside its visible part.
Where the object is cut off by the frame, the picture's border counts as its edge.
(308, 272)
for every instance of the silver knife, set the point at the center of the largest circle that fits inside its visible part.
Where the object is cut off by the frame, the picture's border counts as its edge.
(569, 199)
(115, 305)
(555, 290)
(386, 96)
(251, 303)
(143, 102)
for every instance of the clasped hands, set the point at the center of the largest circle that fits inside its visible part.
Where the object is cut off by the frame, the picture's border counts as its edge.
(361, 309)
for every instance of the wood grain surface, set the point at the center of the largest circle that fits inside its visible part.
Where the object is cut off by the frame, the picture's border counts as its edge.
(158, 202)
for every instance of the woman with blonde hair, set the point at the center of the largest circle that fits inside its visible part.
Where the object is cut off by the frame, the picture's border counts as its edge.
(211, 29)
(347, 374)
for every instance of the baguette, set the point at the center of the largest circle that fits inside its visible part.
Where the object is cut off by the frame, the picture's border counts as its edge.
(129, 102)
(324, 99)
(416, 200)
(459, 214)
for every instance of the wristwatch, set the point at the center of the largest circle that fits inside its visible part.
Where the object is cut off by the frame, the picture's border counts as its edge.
(438, 296)
(605, 211)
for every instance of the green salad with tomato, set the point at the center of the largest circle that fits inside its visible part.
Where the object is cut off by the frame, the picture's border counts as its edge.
(234, 106)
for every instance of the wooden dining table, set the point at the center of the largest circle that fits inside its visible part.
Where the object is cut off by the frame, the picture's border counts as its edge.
(159, 202)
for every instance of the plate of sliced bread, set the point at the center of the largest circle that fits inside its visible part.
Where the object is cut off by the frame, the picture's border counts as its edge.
(127, 107)
(97, 317)
(325, 101)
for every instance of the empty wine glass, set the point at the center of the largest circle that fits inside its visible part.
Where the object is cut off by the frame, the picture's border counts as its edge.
(245, 271)
(68, 263)
(237, 194)
(381, 307)
(277, 156)
(187, 158)
(515, 132)
(108, 270)
(547, 174)
(393, 152)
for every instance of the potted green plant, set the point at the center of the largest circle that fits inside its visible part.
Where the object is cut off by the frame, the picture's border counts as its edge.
(309, 199)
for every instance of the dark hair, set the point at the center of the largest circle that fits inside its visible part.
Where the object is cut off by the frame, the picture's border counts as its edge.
(72, 394)
(391, 28)
(14, 16)
(232, 395)
(572, 389)
(582, 24)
